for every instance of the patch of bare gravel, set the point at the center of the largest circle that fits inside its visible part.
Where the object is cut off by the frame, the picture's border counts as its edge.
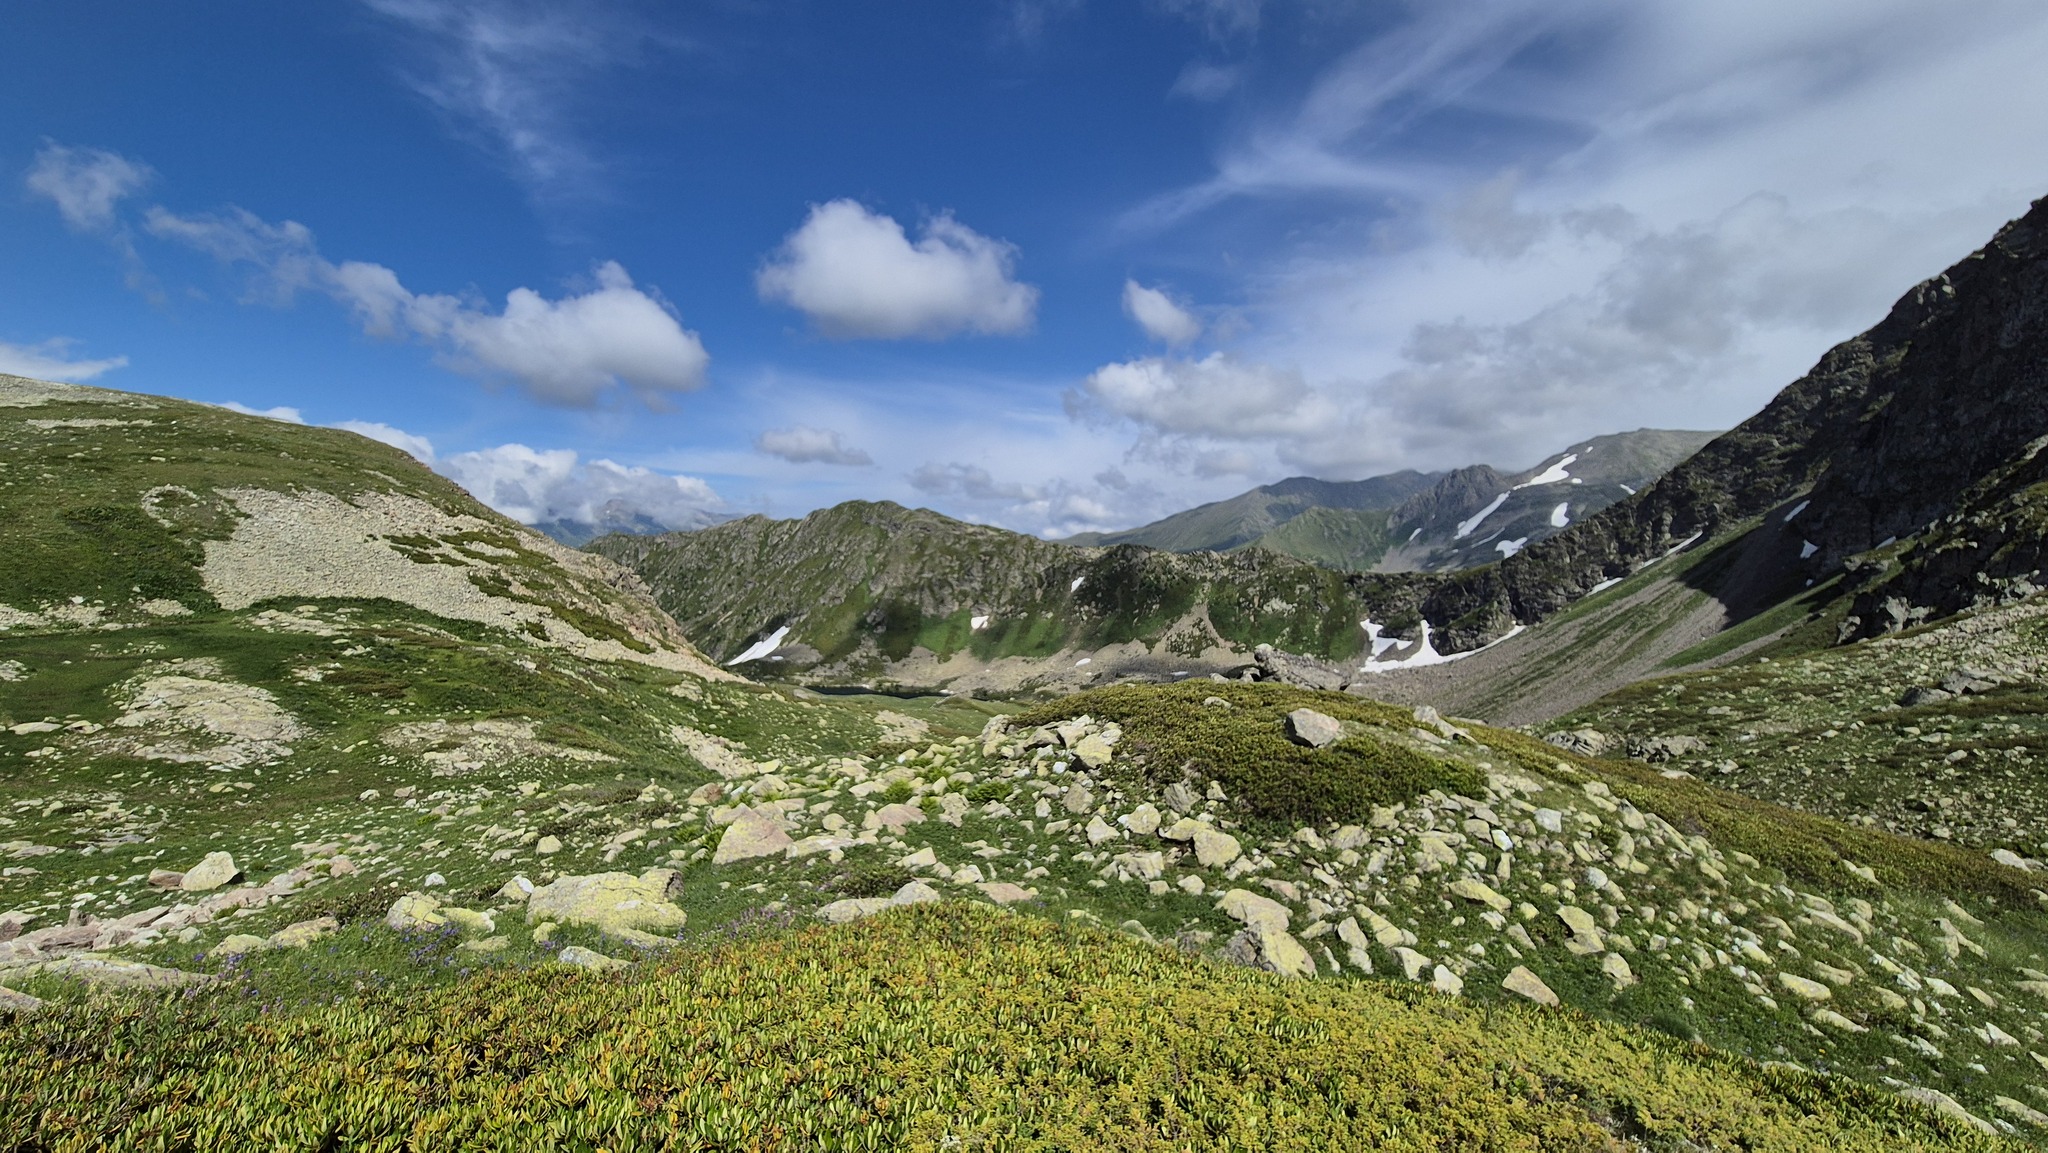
(316, 544)
(187, 711)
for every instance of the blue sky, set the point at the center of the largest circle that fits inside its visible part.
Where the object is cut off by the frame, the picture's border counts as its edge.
(1052, 264)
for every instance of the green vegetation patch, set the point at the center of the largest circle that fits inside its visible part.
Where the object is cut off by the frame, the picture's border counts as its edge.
(1243, 745)
(884, 1035)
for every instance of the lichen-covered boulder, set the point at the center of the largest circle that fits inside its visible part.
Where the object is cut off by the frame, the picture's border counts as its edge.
(609, 902)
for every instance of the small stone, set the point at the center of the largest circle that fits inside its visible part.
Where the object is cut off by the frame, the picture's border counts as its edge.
(1092, 751)
(516, 889)
(471, 922)
(2019, 1109)
(485, 945)
(548, 846)
(1254, 911)
(1804, 989)
(1078, 799)
(14, 1002)
(1446, 982)
(216, 870)
(1550, 820)
(1180, 798)
(1005, 892)
(1183, 830)
(1214, 849)
(1270, 949)
(303, 933)
(1142, 821)
(924, 858)
(1100, 830)
(239, 944)
(753, 834)
(1480, 893)
(917, 893)
(896, 818)
(1314, 729)
(414, 912)
(852, 909)
(589, 959)
(434, 881)
(1615, 966)
(1948, 1107)
(1412, 963)
(165, 879)
(1523, 983)
(1586, 938)
(1192, 884)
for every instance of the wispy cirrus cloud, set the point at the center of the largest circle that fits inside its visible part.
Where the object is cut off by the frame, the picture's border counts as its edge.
(509, 76)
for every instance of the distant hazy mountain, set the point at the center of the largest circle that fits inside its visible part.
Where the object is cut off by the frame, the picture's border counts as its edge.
(1413, 521)
(617, 517)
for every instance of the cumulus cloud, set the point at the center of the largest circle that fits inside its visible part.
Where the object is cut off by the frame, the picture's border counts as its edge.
(1216, 396)
(802, 445)
(856, 275)
(541, 486)
(52, 360)
(1159, 315)
(570, 351)
(86, 184)
(420, 447)
(1056, 507)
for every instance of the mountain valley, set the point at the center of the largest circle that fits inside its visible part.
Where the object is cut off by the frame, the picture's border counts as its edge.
(343, 811)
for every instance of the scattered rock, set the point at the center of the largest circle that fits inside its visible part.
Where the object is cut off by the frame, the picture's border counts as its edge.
(1523, 983)
(107, 972)
(1412, 963)
(1480, 893)
(1803, 988)
(1270, 949)
(1585, 742)
(1659, 749)
(13, 1002)
(216, 870)
(1586, 938)
(1947, 1106)
(548, 846)
(1446, 982)
(1005, 892)
(1180, 798)
(300, 934)
(898, 817)
(1100, 830)
(240, 943)
(1615, 966)
(1078, 799)
(413, 913)
(1093, 751)
(610, 902)
(853, 908)
(1142, 821)
(916, 893)
(753, 834)
(1314, 729)
(1214, 849)
(1254, 911)
(590, 959)
(166, 879)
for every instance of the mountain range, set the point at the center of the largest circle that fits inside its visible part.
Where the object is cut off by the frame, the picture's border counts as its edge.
(344, 812)
(1411, 521)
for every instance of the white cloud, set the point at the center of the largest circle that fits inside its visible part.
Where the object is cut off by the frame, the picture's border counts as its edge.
(804, 445)
(507, 75)
(52, 360)
(1662, 227)
(571, 351)
(86, 184)
(855, 274)
(1201, 80)
(282, 412)
(538, 486)
(1216, 396)
(1157, 313)
(420, 447)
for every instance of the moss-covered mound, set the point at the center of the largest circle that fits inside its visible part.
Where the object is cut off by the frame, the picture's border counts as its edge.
(886, 1035)
(1242, 744)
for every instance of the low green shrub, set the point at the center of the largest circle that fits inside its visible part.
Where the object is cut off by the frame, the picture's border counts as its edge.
(1242, 744)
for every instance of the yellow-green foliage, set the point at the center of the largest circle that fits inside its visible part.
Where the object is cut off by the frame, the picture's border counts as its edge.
(1245, 747)
(954, 1027)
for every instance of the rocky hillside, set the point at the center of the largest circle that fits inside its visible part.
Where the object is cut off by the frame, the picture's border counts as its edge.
(867, 591)
(418, 862)
(1410, 521)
